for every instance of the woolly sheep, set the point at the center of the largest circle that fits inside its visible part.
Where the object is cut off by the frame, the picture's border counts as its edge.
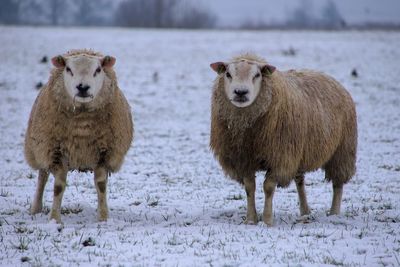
(285, 123)
(79, 121)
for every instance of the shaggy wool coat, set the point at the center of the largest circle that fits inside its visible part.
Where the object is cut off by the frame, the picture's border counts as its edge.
(79, 136)
(300, 121)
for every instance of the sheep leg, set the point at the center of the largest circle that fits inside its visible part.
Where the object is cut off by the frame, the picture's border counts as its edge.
(37, 203)
(337, 198)
(250, 187)
(100, 180)
(304, 209)
(269, 189)
(60, 176)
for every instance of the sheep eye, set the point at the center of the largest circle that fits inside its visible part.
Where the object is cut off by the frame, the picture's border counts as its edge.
(97, 71)
(257, 75)
(69, 70)
(228, 75)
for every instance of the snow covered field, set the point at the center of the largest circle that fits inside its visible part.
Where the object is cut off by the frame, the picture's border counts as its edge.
(171, 204)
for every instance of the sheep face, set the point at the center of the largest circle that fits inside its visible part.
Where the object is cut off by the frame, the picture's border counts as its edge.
(242, 80)
(83, 75)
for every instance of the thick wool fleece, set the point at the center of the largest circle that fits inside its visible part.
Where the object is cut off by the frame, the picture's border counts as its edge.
(300, 121)
(79, 136)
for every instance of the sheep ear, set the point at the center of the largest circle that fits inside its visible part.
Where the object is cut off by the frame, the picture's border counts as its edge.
(267, 69)
(218, 67)
(108, 62)
(58, 61)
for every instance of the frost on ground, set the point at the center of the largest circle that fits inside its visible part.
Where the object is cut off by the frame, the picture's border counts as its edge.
(171, 204)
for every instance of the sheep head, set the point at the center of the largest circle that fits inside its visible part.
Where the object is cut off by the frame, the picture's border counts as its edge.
(242, 79)
(83, 74)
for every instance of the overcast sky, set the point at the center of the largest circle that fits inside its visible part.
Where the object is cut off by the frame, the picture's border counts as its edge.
(235, 12)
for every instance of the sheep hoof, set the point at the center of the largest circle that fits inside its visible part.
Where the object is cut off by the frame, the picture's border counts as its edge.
(102, 219)
(305, 211)
(36, 209)
(55, 218)
(102, 216)
(264, 224)
(333, 212)
(250, 222)
(269, 221)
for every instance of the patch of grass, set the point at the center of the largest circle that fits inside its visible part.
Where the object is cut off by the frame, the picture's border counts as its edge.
(166, 217)
(174, 241)
(168, 181)
(317, 235)
(227, 214)
(235, 197)
(387, 219)
(305, 219)
(365, 208)
(22, 229)
(135, 203)
(361, 234)
(386, 206)
(75, 210)
(9, 212)
(4, 193)
(390, 167)
(151, 202)
(332, 261)
(23, 243)
(360, 251)
(351, 212)
(45, 210)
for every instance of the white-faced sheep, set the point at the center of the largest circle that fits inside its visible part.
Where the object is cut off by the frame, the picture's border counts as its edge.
(285, 123)
(79, 121)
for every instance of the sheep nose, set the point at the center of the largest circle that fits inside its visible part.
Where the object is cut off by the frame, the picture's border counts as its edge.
(82, 88)
(241, 92)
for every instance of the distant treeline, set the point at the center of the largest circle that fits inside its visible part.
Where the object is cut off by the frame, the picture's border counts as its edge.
(303, 18)
(128, 13)
(159, 14)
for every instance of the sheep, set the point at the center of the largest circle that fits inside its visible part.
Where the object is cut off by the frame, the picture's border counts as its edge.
(81, 121)
(284, 123)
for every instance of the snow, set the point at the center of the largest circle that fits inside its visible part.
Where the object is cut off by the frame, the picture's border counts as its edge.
(170, 204)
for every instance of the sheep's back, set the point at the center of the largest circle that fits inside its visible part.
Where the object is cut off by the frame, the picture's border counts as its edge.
(325, 110)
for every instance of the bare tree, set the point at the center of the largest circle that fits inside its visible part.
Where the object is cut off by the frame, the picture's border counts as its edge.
(134, 13)
(48, 12)
(56, 10)
(146, 13)
(90, 13)
(301, 16)
(332, 19)
(158, 8)
(32, 12)
(162, 14)
(196, 18)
